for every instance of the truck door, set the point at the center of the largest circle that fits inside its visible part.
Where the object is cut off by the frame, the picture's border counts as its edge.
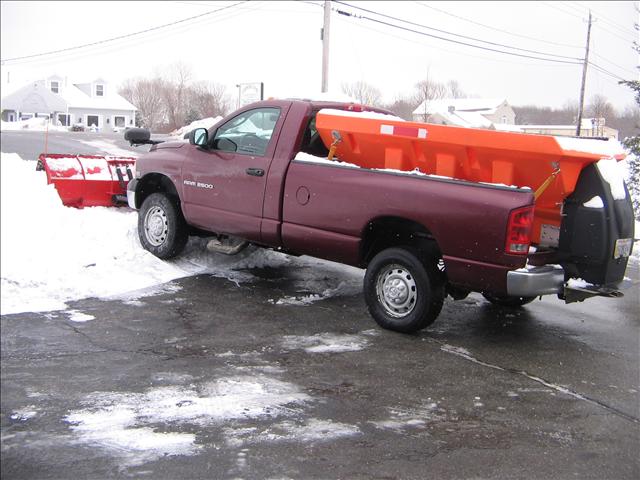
(224, 184)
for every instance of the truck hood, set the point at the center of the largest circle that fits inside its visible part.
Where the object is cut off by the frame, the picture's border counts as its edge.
(163, 145)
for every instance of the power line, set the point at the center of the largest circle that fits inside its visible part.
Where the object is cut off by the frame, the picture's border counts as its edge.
(129, 35)
(385, 31)
(581, 14)
(555, 5)
(614, 64)
(455, 34)
(603, 18)
(497, 29)
(108, 48)
(606, 72)
(574, 61)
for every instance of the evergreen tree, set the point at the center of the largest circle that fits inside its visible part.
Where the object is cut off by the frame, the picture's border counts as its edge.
(633, 161)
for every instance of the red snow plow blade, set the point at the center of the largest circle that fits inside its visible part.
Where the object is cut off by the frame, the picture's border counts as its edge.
(88, 180)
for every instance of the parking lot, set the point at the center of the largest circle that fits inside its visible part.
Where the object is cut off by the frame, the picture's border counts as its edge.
(210, 377)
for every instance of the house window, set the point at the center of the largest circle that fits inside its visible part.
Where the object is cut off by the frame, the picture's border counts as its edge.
(93, 121)
(99, 90)
(119, 121)
(55, 86)
(504, 119)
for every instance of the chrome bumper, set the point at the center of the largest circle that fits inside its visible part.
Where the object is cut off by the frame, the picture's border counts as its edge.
(535, 281)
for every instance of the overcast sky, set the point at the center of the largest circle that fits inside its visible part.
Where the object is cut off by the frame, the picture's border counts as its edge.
(279, 44)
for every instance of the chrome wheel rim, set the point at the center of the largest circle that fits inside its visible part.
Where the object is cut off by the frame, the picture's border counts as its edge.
(156, 226)
(397, 291)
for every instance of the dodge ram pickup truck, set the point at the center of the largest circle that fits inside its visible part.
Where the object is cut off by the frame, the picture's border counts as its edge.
(276, 174)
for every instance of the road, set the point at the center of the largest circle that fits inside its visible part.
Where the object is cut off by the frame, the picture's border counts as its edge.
(30, 144)
(207, 378)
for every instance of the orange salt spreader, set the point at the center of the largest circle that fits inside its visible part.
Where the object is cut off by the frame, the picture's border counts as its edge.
(547, 165)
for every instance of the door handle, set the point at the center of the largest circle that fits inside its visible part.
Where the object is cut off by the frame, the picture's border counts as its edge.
(256, 172)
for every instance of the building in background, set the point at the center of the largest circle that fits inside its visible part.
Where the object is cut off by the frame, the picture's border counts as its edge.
(93, 104)
(590, 127)
(465, 112)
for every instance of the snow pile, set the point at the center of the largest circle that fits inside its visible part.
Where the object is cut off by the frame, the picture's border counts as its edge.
(328, 342)
(126, 423)
(203, 123)
(606, 148)
(613, 173)
(51, 254)
(38, 124)
(595, 202)
(312, 431)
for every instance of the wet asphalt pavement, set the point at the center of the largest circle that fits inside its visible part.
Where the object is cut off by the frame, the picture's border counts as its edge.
(548, 391)
(208, 378)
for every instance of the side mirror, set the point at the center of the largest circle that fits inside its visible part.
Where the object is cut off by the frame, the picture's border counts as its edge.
(137, 135)
(199, 136)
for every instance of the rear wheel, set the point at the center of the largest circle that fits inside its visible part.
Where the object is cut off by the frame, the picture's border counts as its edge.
(161, 227)
(402, 292)
(507, 301)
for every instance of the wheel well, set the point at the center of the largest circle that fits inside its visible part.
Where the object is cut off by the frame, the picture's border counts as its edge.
(386, 232)
(155, 183)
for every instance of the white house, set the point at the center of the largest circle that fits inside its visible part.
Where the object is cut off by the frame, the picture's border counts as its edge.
(465, 112)
(95, 103)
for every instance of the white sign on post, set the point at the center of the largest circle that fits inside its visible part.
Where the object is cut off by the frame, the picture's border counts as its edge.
(249, 93)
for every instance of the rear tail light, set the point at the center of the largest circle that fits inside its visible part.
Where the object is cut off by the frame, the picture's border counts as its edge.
(519, 231)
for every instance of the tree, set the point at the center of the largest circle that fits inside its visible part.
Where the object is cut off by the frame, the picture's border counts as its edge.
(174, 93)
(402, 107)
(600, 108)
(363, 92)
(632, 143)
(454, 90)
(145, 95)
(428, 90)
(208, 99)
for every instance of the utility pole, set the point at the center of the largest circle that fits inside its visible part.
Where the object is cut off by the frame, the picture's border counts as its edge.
(584, 79)
(325, 46)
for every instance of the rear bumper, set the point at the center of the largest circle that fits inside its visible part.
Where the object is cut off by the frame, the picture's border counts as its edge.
(535, 281)
(131, 194)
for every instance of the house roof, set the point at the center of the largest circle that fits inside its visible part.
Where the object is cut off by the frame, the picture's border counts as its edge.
(462, 119)
(76, 98)
(487, 106)
(34, 97)
(37, 97)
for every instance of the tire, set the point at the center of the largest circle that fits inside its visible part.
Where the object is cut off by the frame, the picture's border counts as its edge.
(402, 292)
(507, 301)
(161, 227)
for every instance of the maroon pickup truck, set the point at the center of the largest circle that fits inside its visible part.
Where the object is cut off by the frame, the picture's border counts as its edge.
(420, 238)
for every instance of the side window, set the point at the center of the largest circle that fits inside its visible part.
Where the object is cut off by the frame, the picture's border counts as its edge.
(248, 133)
(311, 141)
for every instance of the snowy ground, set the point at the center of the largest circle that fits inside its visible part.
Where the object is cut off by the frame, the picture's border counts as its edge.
(34, 124)
(51, 254)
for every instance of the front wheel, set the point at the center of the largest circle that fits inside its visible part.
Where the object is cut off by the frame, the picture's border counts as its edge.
(508, 301)
(161, 227)
(403, 293)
